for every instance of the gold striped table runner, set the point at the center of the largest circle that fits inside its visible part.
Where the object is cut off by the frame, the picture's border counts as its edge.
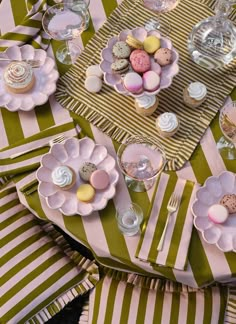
(115, 114)
(178, 235)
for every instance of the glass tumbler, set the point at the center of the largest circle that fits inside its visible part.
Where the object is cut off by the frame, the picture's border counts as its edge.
(129, 219)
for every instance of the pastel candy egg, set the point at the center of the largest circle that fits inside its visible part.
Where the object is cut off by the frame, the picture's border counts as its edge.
(140, 61)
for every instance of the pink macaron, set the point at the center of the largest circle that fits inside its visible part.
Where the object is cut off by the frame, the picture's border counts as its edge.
(133, 82)
(99, 179)
(151, 81)
(140, 61)
(218, 214)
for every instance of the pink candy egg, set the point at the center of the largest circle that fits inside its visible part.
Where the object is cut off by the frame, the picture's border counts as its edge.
(140, 61)
(99, 179)
(133, 82)
(151, 81)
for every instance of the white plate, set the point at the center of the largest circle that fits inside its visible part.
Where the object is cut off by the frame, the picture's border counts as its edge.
(214, 188)
(74, 153)
(46, 77)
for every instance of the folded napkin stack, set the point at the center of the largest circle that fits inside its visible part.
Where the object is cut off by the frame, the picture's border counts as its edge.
(178, 235)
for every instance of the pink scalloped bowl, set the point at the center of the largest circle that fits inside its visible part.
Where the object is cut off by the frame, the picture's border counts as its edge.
(115, 80)
(214, 188)
(74, 153)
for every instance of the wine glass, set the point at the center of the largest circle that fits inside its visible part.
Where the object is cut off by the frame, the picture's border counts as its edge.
(227, 122)
(212, 42)
(65, 21)
(141, 159)
(159, 7)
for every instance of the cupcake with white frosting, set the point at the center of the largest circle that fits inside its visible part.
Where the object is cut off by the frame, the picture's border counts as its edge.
(194, 94)
(146, 105)
(167, 124)
(63, 177)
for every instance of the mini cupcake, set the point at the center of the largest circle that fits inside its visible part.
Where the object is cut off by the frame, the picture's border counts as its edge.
(146, 105)
(194, 94)
(167, 124)
(63, 177)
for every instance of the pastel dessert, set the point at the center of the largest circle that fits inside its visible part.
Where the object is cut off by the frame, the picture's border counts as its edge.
(133, 82)
(85, 193)
(134, 42)
(120, 66)
(18, 77)
(163, 56)
(121, 50)
(218, 214)
(93, 84)
(140, 61)
(86, 169)
(151, 81)
(94, 70)
(229, 201)
(100, 179)
(151, 44)
(63, 177)
(155, 67)
(194, 94)
(167, 124)
(146, 105)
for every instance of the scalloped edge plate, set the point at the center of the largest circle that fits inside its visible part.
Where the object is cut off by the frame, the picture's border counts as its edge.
(115, 80)
(73, 152)
(221, 235)
(46, 78)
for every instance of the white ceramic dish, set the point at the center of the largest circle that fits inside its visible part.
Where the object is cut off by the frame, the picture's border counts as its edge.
(46, 77)
(222, 235)
(73, 153)
(115, 80)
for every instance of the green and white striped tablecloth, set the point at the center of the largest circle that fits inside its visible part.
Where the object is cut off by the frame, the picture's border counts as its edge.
(99, 232)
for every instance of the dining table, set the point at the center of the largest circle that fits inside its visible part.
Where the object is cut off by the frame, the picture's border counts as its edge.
(188, 259)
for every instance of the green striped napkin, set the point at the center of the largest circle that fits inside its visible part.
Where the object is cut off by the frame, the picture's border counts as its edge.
(38, 143)
(141, 300)
(40, 273)
(29, 30)
(175, 248)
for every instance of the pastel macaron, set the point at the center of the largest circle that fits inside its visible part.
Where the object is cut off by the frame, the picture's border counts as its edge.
(85, 193)
(100, 179)
(151, 81)
(140, 61)
(121, 50)
(133, 82)
(93, 84)
(151, 44)
(120, 66)
(94, 70)
(134, 42)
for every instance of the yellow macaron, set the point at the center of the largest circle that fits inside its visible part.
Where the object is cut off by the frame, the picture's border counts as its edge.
(151, 44)
(134, 42)
(85, 193)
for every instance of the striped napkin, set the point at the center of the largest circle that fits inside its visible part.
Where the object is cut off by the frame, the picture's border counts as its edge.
(178, 234)
(37, 142)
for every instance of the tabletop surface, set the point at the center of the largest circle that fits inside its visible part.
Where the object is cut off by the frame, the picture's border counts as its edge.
(99, 232)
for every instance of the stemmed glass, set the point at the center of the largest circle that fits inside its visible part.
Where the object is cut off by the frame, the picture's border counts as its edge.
(227, 121)
(141, 159)
(65, 21)
(159, 7)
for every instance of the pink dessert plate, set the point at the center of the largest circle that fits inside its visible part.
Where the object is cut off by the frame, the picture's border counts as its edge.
(115, 80)
(214, 188)
(74, 153)
(46, 78)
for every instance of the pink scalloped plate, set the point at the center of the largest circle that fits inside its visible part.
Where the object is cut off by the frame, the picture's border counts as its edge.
(74, 153)
(214, 188)
(115, 80)
(46, 77)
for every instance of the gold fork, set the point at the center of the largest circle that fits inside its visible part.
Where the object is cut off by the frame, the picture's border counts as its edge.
(58, 139)
(172, 206)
